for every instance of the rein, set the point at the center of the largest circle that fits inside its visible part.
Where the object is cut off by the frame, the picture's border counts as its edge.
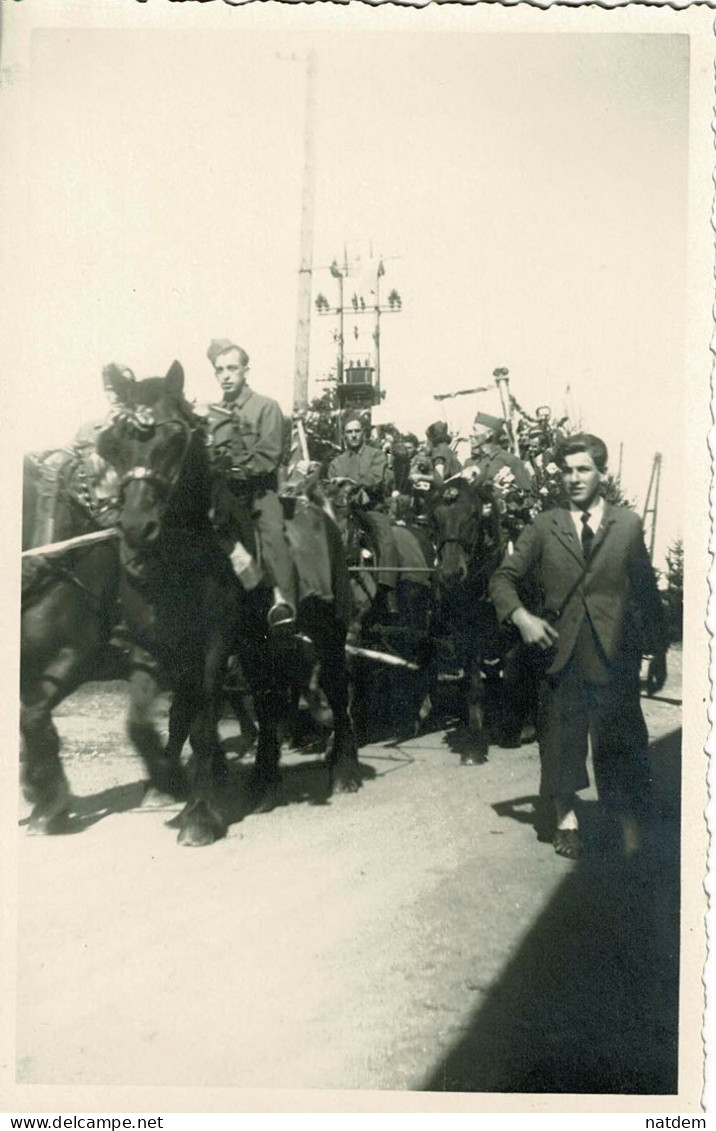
(468, 547)
(155, 479)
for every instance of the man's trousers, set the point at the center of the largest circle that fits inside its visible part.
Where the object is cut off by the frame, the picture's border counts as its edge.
(244, 515)
(591, 697)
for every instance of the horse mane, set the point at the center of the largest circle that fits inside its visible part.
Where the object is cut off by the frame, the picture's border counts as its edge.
(147, 392)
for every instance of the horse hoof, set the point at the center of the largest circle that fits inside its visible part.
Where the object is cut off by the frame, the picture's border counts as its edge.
(198, 835)
(198, 832)
(48, 824)
(200, 825)
(266, 797)
(155, 798)
(407, 733)
(346, 781)
(263, 790)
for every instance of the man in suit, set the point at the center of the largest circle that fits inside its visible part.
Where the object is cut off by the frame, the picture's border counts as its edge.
(590, 563)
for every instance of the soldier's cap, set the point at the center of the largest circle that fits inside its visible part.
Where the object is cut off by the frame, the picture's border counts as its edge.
(494, 423)
(437, 432)
(221, 345)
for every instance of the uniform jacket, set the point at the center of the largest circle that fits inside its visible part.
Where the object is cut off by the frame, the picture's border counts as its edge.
(493, 458)
(247, 436)
(618, 592)
(367, 466)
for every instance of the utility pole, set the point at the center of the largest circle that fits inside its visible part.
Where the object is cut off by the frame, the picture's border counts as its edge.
(305, 270)
(376, 332)
(340, 365)
(651, 506)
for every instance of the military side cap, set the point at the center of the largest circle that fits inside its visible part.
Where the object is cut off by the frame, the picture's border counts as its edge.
(219, 346)
(494, 423)
(437, 432)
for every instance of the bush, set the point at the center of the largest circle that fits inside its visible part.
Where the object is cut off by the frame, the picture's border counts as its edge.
(674, 594)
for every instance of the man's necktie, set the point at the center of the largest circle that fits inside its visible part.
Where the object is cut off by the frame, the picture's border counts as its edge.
(587, 536)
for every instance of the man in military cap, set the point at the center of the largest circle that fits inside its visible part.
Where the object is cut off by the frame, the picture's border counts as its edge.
(247, 437)
(368, 468)
(442, 458)
(489, 458)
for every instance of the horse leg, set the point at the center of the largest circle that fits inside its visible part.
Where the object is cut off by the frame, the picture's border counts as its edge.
(265, 777)
(410, 689)
(167, 780)
(328, 636)
(200, 822)
(247, 726)
(477, 745)
(43, 779)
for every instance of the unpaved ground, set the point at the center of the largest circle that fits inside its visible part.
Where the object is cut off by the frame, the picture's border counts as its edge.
(415, 935)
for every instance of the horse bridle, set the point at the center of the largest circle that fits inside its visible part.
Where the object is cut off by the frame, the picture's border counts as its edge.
(467, 547)
(155, 479)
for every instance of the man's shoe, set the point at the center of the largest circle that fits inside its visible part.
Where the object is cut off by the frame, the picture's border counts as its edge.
(281, 616)
(568, 843)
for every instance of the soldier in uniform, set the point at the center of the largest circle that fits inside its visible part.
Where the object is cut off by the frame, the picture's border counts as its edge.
(511, 480)
(247, 436)
(489, 458)
(443, 460)
(368, 467)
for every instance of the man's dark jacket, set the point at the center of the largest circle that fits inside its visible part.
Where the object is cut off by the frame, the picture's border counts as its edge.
(618, 591)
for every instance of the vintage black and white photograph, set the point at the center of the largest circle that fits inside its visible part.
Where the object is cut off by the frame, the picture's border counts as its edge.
(358, 406)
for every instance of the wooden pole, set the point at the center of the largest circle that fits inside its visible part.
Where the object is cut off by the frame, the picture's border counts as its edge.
(502, 381)
(82, 541)
(380, 657)
(305, 270)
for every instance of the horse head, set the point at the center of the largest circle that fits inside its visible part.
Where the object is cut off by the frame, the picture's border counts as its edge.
(340, 493)
(459, 522)
(150, 443)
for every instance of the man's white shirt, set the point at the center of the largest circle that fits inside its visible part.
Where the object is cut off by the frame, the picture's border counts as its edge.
(596, 514)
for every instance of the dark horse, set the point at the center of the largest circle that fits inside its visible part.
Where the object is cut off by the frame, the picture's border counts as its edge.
(389, 699)
(68, 611)
(470, 544)
(185, 605)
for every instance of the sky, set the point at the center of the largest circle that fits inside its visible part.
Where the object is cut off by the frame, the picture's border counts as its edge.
(527, 193)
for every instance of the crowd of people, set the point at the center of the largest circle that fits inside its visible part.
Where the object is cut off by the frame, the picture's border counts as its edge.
(583, 556)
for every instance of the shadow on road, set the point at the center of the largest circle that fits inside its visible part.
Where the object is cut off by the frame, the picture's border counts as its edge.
(88, 809)
(306, 783)
(589, 1003)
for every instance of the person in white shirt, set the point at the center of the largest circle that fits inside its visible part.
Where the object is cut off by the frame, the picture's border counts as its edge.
(600, 595)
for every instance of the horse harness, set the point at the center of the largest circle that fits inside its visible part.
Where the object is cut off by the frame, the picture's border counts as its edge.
(143, 421)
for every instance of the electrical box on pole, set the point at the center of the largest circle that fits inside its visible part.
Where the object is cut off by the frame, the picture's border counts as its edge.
(358, 374)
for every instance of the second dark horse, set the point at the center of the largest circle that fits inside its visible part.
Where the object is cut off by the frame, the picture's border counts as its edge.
(184, 604)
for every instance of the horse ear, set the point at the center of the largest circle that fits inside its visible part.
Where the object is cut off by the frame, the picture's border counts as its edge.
(175, 377)
(116, 384)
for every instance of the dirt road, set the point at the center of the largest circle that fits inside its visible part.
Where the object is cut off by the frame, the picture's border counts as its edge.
(415, 935)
